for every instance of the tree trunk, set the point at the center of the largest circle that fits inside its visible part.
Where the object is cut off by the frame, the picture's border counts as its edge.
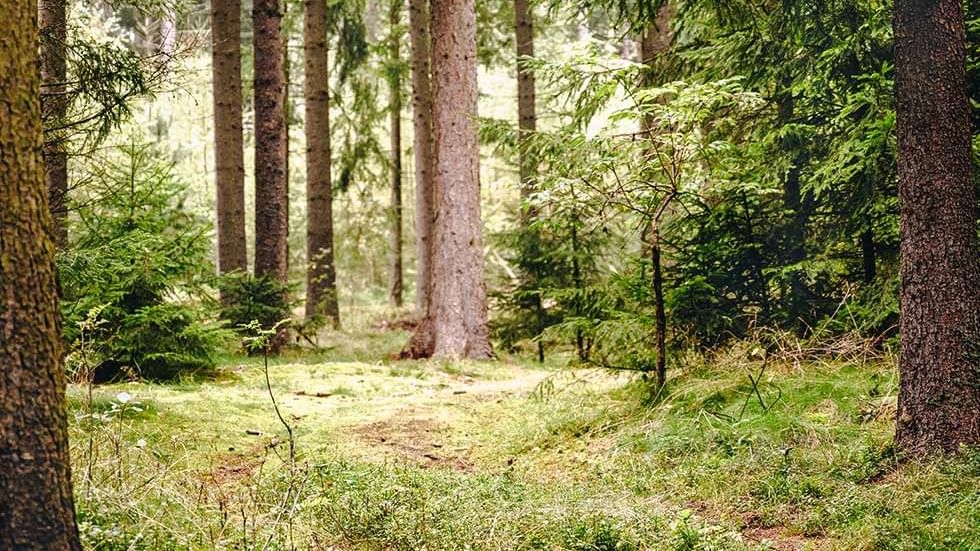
(226, 71)
(270, 146)
(321, 278)
(526, 125)
(655, 41)
(36, 510)
(286, 27)
(526, 117)
(418, 11)
(52, 15)
(658, 301)
(459, 300)
(868, 255)
(580, 342)
(939, 391)
(395, 108)
(798, 206)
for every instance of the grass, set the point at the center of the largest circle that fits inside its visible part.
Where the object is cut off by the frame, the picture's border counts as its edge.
(511, 455)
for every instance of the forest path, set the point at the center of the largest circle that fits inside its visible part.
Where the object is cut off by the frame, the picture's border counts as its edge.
(521, 445)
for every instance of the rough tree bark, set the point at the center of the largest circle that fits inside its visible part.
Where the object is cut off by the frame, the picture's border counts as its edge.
(226, 71)
(52, 15)
(395, 270)
(939, 391)
(36, 509)
(321, 277)
(458, 304)
(656, 40)
(270, 146)
(526, 116)
(418, 12)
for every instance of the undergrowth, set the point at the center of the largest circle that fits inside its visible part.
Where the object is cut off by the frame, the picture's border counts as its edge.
(797, 457)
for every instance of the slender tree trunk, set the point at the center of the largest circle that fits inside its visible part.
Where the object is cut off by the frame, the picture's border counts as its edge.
(459, 301)
(321, 278)
(418, 11)
(287, 108)
(226, 71)
(526, 116)
(798, 206)
(868, 255)
(53, 20)
(655, 41)
(270, 146)
(939, 390)
(395, 108)
(580, 344)
(658, 302)
(36, 509)
(526, 124)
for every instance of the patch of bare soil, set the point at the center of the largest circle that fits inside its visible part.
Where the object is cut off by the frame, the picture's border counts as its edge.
(418, 440)
(231, 468)
(757, 530)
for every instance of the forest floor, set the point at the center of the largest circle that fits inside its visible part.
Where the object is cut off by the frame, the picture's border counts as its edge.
(510, 455)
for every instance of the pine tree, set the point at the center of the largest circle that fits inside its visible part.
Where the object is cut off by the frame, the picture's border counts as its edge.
(271, 198)
(36, 510)
(423, 149)
(939, 394)
(395, 269)
(226, 71)
(53, 21)
(458, 309)
(321, 286)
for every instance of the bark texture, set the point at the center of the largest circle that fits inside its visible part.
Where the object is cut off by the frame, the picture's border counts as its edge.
(270, 142)
(52, 15)
(321, 278)
(395, 260)
(226, 71)
(271, 198)
(939, 391)
(36, 509)
(459, 297)
(418, 13)
(526, 116)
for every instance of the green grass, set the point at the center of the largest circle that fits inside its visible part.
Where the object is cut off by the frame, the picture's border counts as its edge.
(510, 455)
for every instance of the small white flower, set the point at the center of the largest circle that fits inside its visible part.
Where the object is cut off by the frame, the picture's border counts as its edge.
(141, 443)
(123, 397)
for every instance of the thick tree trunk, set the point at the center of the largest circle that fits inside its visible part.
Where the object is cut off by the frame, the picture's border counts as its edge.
(321, 279)
(270, 142)
(418, 11)
(270, 146)
(395, 270)
(53, 20)
(36, 509)
(226, 71)
(459, 300)
(939, 391)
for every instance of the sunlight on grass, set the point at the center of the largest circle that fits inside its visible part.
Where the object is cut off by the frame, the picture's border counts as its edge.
(509, 455)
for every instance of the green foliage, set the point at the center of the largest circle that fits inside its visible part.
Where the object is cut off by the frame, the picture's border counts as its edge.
(252, 305)
(133, 282)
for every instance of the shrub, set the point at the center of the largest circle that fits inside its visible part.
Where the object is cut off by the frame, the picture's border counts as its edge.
(140, 264)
